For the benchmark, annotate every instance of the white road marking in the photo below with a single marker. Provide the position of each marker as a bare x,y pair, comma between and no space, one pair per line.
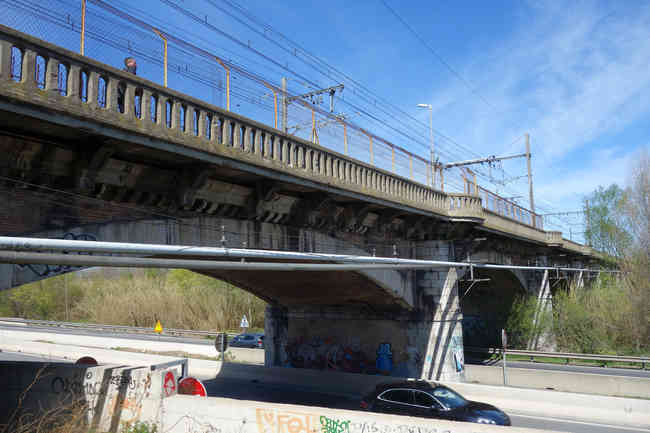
620,427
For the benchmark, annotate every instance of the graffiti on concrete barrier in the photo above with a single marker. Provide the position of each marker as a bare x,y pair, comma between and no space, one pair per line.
374,427
270,421
330,425
79,383
121,393
52,270
275,421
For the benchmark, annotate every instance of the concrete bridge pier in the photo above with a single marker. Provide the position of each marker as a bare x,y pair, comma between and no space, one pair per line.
424,341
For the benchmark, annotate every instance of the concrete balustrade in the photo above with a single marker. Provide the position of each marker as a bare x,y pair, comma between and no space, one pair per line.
92,94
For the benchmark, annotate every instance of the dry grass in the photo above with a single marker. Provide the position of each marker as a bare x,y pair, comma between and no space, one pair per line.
69,417
178,298
134,297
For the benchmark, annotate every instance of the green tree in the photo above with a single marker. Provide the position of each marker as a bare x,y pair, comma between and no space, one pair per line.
607,226
636,261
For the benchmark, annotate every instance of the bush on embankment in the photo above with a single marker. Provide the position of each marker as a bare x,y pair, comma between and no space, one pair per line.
604,317
178,298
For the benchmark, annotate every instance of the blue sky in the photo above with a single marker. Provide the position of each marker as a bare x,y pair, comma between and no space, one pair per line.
573,74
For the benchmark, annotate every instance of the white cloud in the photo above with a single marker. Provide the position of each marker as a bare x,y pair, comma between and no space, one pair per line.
573,75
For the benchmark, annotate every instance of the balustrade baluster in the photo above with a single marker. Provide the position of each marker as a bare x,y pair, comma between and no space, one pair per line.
93,89
5,60
236,136
201,123
29,68
52,75
259,143
226,137
247,138
146,106
267,145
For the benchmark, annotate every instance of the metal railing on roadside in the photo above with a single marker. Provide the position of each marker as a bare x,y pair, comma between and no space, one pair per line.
122,328
604,359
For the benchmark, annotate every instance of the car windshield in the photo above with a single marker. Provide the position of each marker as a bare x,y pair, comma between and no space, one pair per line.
449,398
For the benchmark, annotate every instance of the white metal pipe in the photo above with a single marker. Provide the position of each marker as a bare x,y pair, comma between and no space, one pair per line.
43,244
40,244
17,257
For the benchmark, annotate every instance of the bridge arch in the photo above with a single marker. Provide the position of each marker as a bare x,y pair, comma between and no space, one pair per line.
487,304
381,288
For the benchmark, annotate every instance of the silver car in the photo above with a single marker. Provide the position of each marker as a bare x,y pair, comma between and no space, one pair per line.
248,340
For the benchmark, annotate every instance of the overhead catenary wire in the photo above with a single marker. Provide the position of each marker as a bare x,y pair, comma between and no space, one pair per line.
248,95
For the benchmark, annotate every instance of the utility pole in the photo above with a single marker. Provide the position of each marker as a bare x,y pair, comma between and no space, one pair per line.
433,159
589,231
530,178
285,105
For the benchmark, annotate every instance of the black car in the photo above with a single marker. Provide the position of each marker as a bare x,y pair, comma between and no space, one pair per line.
430,400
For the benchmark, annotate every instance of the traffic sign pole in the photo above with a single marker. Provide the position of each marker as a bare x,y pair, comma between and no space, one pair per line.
223,347
504,343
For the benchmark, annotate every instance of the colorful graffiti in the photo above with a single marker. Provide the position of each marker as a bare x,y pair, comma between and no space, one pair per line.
270,421
384,362
458,351
327,354
330,425
275,421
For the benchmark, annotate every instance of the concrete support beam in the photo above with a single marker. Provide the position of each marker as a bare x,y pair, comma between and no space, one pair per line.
276,329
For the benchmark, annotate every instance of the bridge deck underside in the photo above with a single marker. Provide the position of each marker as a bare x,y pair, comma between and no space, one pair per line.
314,288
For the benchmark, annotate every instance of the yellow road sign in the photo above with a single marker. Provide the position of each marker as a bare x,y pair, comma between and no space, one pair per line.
158,327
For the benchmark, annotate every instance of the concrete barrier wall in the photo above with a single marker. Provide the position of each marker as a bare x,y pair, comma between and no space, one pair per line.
111,395
554,404
621,411
588,383
183,414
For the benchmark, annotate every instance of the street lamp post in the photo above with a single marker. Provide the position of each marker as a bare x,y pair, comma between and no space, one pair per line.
433,161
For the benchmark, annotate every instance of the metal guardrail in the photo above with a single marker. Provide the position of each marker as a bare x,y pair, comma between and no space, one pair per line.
124,328
177,332
563,355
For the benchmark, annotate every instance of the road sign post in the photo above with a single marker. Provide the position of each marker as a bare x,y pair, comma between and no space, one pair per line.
504,344
221,344
244,323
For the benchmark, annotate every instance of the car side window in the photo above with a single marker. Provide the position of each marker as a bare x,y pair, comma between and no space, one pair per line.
424,399
398,396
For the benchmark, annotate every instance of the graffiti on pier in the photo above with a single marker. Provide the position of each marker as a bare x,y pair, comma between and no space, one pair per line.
52,270
355,357
458,351
326,354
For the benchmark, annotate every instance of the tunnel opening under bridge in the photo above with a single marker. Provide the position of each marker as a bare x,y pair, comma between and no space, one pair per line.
487,304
